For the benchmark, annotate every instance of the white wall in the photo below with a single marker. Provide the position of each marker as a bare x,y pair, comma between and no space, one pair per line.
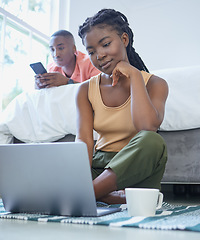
166,31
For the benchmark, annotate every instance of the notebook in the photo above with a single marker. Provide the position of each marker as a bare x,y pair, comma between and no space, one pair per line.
48,178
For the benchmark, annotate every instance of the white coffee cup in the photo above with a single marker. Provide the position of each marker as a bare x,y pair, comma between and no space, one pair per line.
143,201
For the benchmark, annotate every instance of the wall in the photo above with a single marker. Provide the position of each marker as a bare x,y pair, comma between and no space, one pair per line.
166,31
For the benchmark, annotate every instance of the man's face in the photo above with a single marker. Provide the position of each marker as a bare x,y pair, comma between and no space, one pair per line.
62,50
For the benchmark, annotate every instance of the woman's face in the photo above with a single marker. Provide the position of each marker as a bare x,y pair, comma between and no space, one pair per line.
62,50
106,47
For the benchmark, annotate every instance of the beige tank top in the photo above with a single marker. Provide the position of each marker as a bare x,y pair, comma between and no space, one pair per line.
113,124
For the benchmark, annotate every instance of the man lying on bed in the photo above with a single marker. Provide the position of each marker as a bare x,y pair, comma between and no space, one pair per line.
37,116
69,66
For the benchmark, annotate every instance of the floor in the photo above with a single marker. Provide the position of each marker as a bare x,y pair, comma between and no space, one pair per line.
181,198
17,229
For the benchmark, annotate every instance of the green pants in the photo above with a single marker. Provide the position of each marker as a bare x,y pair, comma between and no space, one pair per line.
141,163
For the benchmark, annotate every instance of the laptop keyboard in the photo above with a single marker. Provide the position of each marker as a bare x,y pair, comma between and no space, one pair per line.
101,204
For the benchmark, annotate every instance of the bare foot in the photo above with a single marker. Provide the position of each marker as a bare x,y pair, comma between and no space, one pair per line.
116,197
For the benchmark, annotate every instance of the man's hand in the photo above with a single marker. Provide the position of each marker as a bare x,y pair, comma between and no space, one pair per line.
48,80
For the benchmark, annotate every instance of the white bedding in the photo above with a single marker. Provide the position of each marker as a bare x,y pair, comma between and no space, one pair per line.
183,103
49,114
40,116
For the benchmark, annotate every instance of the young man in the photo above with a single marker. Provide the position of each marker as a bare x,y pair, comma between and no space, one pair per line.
69,66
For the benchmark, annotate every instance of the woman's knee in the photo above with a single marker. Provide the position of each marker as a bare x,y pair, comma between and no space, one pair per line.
150,140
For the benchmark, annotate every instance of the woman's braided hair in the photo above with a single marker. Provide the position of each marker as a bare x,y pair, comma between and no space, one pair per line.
119,22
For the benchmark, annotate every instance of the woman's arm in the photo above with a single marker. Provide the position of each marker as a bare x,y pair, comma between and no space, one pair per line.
147,102
84,119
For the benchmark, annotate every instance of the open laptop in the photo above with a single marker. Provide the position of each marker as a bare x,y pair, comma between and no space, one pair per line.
48,178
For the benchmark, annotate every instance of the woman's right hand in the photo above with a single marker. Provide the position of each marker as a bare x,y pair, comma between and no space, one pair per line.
122,69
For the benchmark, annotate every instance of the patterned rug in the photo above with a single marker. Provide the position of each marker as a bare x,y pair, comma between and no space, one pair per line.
169,217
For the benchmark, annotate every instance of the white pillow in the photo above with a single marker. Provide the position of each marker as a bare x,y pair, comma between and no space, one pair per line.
183,103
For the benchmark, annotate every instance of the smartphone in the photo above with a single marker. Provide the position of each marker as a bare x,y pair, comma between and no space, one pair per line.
38,68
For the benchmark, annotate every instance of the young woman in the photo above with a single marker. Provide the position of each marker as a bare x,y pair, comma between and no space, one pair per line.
125,105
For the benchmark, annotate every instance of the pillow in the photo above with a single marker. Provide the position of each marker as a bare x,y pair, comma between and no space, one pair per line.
183,103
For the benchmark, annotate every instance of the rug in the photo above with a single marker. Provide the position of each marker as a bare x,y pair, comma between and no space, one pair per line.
169,217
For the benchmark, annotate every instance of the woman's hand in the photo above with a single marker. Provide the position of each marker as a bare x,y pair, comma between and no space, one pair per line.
122,69
48,80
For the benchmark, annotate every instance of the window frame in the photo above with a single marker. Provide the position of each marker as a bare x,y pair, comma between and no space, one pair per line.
59,19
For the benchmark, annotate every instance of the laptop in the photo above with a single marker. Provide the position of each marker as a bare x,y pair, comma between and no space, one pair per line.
48,178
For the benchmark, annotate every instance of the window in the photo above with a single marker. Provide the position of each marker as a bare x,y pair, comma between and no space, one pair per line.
25,27
34,12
